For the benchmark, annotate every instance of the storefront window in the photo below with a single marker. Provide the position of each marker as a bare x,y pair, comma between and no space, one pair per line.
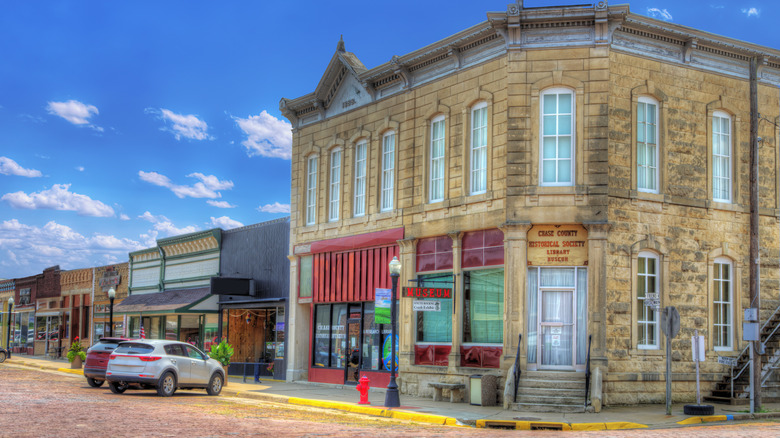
210,332
189,331
435,326
372,340
280,331
322,336
171,328
338,344
305,277
483,306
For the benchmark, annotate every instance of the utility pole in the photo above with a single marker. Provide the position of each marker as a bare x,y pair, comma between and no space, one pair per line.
754,242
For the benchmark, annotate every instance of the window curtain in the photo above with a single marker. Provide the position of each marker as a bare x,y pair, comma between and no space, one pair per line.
486,306
557,307
557,277
533,294
582,315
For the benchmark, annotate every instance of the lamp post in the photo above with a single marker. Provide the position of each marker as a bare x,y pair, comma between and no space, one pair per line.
10,315
111,296
391,395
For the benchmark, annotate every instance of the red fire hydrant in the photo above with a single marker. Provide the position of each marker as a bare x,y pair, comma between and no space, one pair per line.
362,387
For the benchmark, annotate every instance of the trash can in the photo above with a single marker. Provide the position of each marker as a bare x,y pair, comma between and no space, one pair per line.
482,390
475,390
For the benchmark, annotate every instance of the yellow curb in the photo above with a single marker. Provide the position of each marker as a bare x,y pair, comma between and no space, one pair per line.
380,412
707,419
589,426
71,371
525,425
625,425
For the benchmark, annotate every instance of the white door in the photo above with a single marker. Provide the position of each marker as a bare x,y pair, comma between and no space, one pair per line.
556,330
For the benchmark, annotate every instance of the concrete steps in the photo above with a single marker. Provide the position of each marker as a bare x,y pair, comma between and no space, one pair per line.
551,391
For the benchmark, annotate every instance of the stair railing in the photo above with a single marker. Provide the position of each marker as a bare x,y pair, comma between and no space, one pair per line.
744,352
733,378
517,365
587,371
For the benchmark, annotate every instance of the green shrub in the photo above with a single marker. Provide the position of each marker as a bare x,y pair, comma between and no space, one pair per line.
222,352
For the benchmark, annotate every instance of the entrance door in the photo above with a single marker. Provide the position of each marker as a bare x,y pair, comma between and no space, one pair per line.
556,328
353,353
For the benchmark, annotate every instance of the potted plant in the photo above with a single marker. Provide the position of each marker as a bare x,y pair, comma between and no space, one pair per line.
222,353
76,354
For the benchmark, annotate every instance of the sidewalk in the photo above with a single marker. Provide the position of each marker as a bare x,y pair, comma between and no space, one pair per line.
426,410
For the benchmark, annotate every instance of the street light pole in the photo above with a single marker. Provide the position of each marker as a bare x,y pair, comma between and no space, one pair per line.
111,296
391,395
10,315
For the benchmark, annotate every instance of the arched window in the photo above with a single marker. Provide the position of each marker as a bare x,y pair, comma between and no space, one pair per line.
723,308
557,137
360,178
311,190
647,144
721,157
335,185
478,149
648,288
437,160
387,192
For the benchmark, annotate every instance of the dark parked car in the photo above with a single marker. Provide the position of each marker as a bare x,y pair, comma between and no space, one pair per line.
97,360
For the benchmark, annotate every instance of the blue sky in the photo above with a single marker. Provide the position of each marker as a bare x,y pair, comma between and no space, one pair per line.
123,122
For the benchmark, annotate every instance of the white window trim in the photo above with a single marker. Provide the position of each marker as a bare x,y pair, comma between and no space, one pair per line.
651,101
311,190
573,157
360,199
437,161
640,301
387,193
730,157
334,192
473,150
730,304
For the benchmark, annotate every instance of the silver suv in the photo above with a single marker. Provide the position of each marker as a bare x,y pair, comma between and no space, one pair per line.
164,365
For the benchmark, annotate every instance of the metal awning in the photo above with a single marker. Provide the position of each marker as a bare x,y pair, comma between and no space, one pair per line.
169,301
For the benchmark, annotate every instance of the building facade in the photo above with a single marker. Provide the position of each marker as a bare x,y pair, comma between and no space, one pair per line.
253,287
558,175
169,296
107,277
7,290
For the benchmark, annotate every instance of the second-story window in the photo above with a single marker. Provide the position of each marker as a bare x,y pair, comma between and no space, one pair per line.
557,125
721,157
478,153
436,184
647,145
388,171
311,191
335,185
360,179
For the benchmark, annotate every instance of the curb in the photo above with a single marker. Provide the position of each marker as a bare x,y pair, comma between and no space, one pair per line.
547,425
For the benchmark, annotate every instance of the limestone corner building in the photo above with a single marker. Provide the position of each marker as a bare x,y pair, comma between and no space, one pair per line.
553,167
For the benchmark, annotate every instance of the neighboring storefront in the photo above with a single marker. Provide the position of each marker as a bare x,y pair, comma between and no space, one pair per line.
23,315
253,293
169,295
337,294
7,290
107,277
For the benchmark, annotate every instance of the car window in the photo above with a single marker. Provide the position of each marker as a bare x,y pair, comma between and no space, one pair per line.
175,350
193,353
133,348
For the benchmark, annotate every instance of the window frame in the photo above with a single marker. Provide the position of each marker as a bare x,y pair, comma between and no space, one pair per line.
312,167
465,301
558,91
387,172
359,199
334,185
481,149
722,115
439,161
718,302
639,302
640,185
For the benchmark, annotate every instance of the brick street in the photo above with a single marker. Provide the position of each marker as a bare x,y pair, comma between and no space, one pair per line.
40,403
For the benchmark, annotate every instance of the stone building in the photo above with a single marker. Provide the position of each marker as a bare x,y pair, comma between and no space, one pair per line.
557,170
105,278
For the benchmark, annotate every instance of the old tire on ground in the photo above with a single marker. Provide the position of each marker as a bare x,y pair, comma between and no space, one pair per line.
215,384
699,409
117,387
167,385
2,356
95,383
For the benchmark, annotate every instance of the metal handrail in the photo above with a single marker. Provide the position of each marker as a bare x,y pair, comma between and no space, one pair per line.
517,364
587,371
763,344
255,373
733,378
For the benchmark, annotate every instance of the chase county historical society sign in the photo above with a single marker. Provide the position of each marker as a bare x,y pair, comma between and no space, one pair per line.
557,245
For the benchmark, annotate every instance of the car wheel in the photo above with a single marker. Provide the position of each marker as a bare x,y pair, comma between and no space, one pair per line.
95,383
167,385
117,387
215,384
2,356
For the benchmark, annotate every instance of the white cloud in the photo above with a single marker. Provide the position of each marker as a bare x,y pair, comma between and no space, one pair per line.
225,223
27,249
11,167
80,168
75,112
163,224
59,197
124,217
751,12
275,208
220,204
181,125
206,188
662,14
266,136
